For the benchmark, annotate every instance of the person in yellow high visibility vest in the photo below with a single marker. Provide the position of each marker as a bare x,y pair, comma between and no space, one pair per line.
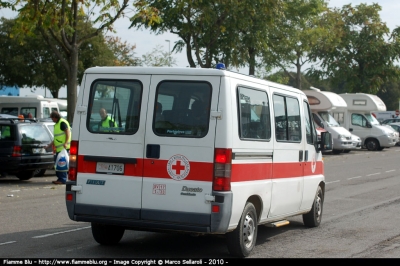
106,122
62,140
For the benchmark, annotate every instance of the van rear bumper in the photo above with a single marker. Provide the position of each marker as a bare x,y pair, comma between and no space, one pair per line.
154,220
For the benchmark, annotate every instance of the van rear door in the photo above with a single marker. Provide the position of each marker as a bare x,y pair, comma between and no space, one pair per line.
110,166
179,149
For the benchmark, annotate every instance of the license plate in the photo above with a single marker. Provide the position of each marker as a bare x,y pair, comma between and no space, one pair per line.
38,150
112,168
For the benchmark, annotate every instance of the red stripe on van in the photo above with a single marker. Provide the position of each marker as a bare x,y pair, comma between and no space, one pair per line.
200,171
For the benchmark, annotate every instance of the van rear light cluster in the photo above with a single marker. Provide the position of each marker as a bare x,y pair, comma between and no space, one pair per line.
222,169
16,151
73,161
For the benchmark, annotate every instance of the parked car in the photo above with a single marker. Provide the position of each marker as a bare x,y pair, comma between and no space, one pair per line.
391,120
49,124
23,145
396,126
357,144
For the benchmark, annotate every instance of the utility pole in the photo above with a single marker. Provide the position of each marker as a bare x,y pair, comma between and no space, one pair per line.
169,52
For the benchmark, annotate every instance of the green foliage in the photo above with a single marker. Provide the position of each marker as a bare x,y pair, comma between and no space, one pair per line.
28,60
294,35
157,58
362,57
58,22
124,53
229,31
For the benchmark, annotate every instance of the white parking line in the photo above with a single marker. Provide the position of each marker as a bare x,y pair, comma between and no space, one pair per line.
6,243
353,177
374,174
332,182
73,230
388,171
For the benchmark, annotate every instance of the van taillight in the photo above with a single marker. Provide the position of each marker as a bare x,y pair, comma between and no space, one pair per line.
73,161
222,169
16,151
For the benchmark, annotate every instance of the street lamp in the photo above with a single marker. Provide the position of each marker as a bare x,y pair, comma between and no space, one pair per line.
169,52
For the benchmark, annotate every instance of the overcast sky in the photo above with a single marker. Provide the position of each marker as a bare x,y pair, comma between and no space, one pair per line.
145,41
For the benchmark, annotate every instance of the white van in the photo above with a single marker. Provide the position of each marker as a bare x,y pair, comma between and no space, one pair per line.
357,118
202,151
28,106
321,104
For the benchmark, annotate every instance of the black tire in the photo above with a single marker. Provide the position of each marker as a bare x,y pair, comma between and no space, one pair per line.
313,218
372,145
25,175
380,148
346,151
107,234
39,172
242,240
336,151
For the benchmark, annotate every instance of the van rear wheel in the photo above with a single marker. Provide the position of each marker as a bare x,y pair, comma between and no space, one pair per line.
107,234
313,218
242,240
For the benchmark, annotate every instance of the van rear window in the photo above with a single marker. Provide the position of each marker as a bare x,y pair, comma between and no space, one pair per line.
114,107
182,109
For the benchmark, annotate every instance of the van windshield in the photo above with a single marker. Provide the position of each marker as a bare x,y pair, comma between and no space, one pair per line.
372,119
329,119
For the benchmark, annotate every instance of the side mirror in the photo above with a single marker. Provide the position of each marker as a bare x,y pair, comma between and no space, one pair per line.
350,129
369,125
325,144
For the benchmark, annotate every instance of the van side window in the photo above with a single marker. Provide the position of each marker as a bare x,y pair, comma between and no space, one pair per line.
10,110
339,117
287,119
28,112
46,112
358,120
254,115
309,126
182,109
114,107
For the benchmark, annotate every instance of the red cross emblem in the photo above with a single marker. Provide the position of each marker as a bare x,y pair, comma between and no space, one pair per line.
178,167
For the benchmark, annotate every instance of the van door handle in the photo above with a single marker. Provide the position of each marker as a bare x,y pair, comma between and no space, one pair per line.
153,151
300,156
306,156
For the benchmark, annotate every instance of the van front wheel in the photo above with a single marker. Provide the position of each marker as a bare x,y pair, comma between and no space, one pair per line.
242,240
107,234
313,218
372,145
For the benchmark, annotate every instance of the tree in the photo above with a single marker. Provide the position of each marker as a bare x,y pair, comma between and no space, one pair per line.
124,53
229,31
364,55
295,33
58,21
28,60
157,58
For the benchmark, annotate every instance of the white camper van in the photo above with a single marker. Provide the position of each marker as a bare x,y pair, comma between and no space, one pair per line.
28,106
358,119
322,103
200,151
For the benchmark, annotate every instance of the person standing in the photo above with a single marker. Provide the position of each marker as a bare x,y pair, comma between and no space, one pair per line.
62,140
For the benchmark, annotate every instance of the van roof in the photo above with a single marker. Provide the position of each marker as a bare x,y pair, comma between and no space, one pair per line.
184,71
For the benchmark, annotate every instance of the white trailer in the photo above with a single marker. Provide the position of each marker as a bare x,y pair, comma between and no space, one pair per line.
28,106
359,120
322,103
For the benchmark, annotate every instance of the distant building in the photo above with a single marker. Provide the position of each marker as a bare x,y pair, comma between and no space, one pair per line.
9,91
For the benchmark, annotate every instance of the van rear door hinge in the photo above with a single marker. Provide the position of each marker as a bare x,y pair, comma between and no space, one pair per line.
81,109
77,189
216,114
209,198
